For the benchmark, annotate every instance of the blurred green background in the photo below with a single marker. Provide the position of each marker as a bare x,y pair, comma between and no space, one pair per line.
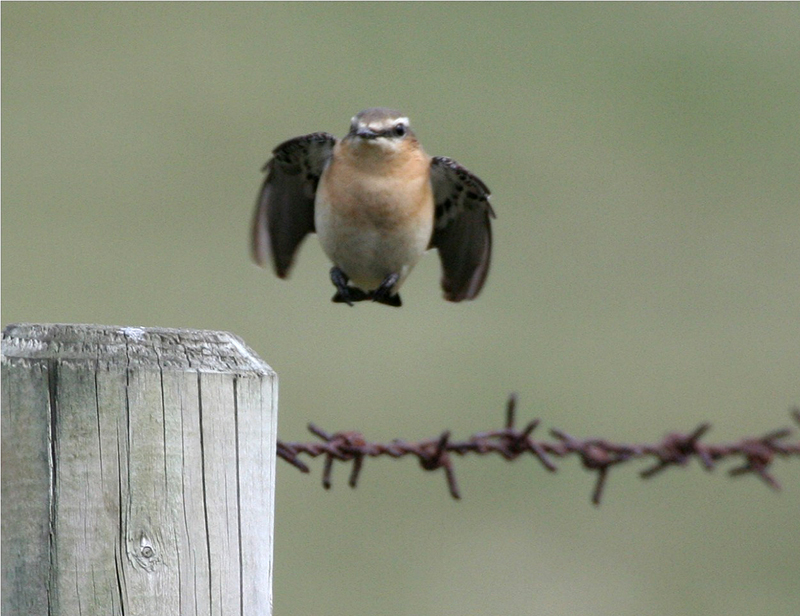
645,168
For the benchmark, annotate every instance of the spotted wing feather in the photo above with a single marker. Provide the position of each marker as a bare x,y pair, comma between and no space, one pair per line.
284,212
462,231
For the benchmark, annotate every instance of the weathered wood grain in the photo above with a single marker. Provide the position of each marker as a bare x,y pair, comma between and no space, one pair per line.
138,472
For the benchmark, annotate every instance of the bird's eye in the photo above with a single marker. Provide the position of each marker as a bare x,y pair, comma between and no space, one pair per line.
400,130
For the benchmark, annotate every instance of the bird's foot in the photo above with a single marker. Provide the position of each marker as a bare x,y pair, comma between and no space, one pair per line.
383,294
345,294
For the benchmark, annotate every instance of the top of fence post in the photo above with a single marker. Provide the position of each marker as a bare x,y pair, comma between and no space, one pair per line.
162,348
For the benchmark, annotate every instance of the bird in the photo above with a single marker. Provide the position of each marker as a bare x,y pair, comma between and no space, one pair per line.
377,203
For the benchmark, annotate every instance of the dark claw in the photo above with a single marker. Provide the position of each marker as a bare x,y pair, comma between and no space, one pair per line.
352,294
344,293
383,294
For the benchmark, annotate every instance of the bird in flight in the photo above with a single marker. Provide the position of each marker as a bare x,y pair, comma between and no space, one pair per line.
377,202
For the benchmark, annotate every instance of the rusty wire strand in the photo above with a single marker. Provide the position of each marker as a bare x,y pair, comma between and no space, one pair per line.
597,455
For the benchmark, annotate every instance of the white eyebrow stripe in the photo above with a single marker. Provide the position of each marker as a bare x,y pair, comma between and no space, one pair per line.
385,123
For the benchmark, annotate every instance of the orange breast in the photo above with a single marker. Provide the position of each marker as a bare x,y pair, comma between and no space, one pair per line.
379,192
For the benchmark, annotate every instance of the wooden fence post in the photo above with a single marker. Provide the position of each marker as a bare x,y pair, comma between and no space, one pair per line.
138,472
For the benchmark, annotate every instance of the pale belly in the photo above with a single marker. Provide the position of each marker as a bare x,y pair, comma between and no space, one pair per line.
382,235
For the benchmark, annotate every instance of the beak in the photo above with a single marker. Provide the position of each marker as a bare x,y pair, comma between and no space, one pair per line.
366,133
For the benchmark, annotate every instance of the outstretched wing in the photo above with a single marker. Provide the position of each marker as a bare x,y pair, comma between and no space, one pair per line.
462,230
285,208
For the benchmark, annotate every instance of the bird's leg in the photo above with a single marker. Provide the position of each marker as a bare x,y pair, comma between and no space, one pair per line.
345,293
383,294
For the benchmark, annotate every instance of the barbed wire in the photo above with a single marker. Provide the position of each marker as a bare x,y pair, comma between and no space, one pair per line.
676,449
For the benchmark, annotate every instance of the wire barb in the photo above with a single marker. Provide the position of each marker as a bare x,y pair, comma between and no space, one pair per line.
596,455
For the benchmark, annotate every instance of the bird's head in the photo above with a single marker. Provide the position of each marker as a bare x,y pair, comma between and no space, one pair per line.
382,128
